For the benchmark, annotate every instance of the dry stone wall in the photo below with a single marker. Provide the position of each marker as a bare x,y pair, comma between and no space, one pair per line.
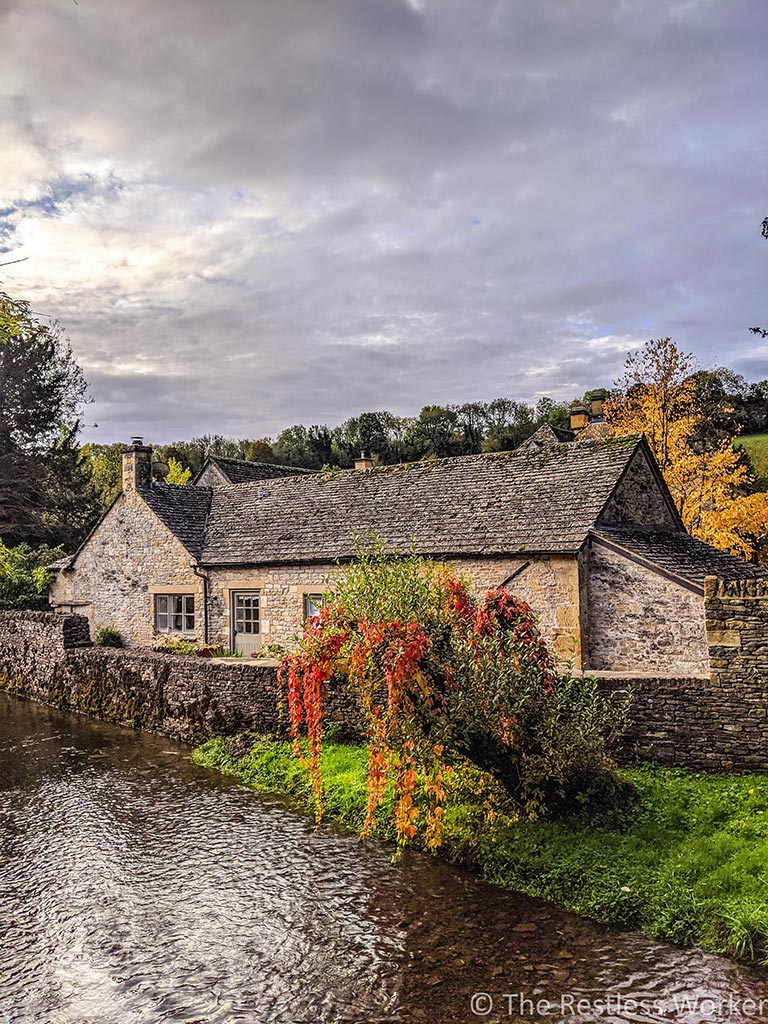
695,722
42,657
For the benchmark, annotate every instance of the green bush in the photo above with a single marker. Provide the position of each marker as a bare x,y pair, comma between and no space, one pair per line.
107,637
24,577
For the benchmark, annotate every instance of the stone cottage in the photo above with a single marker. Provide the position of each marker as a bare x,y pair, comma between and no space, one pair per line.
585,531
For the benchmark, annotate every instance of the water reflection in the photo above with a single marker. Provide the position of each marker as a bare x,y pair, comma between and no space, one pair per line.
137,888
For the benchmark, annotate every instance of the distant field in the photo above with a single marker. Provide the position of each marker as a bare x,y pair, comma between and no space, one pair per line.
756,447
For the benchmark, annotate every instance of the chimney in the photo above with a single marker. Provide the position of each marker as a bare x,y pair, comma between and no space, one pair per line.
579,416
137,466
364,464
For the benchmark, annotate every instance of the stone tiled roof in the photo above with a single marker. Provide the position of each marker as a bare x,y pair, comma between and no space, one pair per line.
504,503
547,435
680,555
238,471
184,510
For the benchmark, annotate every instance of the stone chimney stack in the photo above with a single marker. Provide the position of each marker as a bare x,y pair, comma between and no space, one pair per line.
579,416
137,466
364,464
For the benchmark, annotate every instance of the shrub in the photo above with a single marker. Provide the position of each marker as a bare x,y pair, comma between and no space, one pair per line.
168,644
441,677
271,651
24,578
107,637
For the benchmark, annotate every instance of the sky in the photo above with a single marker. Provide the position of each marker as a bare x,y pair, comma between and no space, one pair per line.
250,213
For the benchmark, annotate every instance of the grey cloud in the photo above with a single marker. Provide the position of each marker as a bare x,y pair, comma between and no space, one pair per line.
295,211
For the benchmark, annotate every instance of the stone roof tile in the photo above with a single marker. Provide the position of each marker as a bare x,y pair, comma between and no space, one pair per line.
239,471
183,509
681,555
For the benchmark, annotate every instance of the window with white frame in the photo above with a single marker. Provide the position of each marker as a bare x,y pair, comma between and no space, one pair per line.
312,604
175,613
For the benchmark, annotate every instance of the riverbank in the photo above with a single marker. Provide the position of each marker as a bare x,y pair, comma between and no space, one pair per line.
687,863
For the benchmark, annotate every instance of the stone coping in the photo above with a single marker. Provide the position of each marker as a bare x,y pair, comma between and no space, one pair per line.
245,662
598,674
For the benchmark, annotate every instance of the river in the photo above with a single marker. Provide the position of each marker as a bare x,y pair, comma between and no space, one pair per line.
136,888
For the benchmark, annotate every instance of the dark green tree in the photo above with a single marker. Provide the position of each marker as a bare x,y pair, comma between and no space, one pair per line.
42,391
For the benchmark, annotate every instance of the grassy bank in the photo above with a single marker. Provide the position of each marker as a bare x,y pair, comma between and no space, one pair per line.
686,863
756,447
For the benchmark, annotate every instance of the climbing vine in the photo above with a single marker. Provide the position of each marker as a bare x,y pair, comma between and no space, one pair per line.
440,677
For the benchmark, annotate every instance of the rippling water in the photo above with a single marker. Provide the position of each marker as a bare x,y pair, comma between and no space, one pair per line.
136,888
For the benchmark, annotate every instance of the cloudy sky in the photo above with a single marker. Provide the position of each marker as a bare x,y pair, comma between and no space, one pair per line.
251,213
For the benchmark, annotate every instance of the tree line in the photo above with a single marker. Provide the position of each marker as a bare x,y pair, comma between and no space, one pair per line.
53,488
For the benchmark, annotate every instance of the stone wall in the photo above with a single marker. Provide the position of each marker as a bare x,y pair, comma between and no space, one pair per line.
638,498
187,698
683,721
640,620
737,631
695,723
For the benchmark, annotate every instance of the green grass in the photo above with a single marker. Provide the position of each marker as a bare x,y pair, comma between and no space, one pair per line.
756,447
687,862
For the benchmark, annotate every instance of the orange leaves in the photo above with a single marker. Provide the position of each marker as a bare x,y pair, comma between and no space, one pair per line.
707,478
423,685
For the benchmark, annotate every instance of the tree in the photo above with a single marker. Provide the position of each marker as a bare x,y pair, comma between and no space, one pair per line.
41,393
434,432
710,483
761,330
24,577
260,450
106,468
178,474
305,447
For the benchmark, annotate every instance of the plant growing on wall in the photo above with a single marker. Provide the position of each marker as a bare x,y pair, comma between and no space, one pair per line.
442,678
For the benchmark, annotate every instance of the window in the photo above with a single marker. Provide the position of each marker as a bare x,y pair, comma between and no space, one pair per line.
175,613
312,604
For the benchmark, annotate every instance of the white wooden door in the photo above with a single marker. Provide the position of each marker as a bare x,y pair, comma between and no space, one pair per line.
246,624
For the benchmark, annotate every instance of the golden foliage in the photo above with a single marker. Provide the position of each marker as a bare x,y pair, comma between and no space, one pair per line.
708,480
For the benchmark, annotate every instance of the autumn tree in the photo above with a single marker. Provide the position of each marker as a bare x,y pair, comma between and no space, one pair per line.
660,396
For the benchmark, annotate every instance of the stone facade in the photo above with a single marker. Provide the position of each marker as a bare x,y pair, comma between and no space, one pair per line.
549,584
129,558
638,499
640,620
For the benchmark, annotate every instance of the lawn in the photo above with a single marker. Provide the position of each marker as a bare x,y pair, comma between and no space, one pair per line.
756,447
685,862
